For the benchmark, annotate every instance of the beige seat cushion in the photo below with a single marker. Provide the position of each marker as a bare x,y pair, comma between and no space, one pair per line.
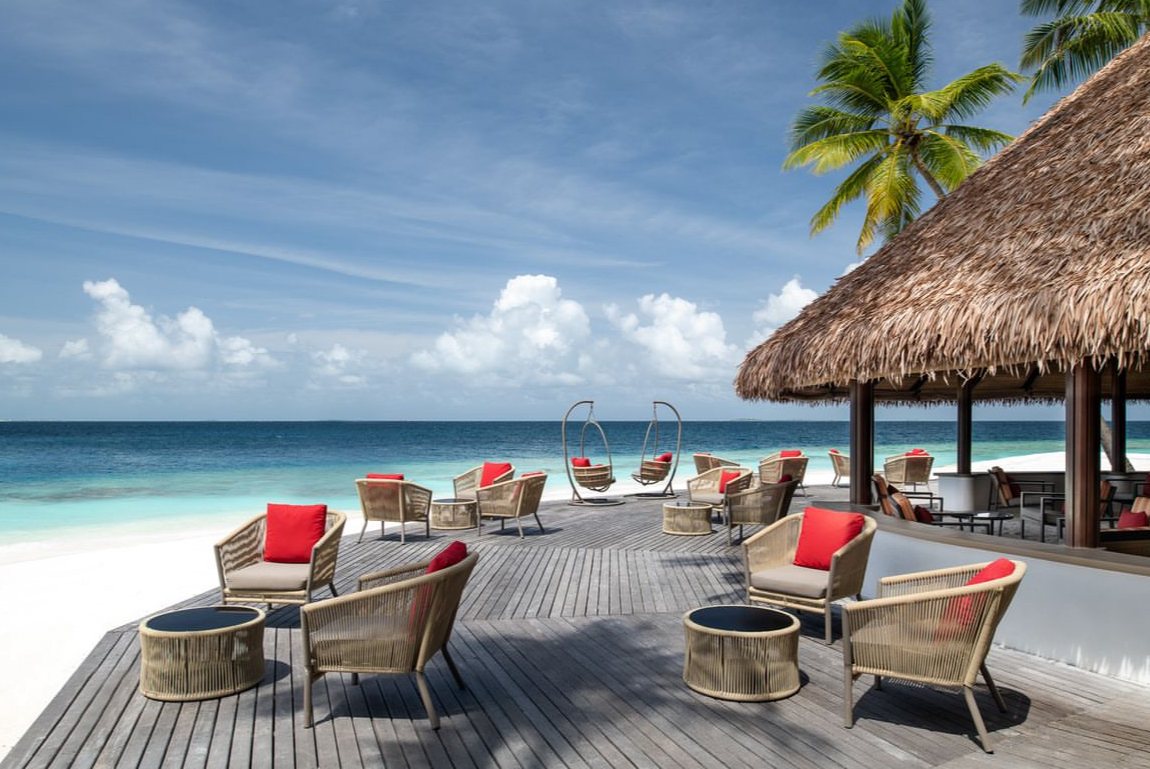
270,576
708,498
792,580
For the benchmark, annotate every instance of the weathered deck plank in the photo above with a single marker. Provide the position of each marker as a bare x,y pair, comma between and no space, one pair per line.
571,645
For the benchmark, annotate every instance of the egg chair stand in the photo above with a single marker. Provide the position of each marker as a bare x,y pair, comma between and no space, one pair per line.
597,478
652,472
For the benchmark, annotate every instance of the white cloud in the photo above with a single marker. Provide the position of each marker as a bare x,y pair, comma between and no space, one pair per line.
15,351
131,339
678,341
779,308
76,349
531,336
338,365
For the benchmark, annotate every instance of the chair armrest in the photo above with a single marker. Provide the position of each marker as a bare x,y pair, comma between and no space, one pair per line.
389,576
466,483
849,562
242,547
325,551
773,546
925,581
705,482
931,498
499,498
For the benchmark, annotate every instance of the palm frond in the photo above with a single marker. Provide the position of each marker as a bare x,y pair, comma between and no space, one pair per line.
971,93
948,159
818,122
1076,47
911,23
984,140
851,189
833,152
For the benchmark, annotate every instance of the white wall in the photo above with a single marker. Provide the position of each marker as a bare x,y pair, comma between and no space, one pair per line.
1091,618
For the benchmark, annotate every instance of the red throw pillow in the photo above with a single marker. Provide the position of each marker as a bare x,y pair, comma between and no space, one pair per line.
915,452
384,477
961,612
1131,520
834,451
922,515
448,556
822,533
790,453
492,470
292,531
725,477
663,457
580,462
784,479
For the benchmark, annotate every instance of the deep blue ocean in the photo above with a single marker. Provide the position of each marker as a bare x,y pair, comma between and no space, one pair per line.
76,476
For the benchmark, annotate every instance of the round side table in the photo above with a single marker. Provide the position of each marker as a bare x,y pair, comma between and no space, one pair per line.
454,514
197,654
686,518
743,653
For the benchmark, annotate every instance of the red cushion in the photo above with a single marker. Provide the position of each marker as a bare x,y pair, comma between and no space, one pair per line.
962,611
292,531
784,479
580,462
725,477
834,451
492,470
1132,520
915,452
790,453
822,533
664,457
384,477
923,515
448,556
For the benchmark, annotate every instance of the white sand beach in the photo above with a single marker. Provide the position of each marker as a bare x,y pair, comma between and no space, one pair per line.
79,588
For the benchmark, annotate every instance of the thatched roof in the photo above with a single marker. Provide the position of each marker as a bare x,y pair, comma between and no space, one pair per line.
1039,259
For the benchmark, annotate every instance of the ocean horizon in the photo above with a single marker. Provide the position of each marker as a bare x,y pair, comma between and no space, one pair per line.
72,478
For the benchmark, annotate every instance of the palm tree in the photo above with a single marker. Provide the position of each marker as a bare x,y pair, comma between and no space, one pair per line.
1084,35
877,112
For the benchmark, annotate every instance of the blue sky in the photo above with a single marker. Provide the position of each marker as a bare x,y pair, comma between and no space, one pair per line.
348,209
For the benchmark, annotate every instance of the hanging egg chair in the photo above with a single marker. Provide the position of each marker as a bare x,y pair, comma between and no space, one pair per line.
582,471
656,467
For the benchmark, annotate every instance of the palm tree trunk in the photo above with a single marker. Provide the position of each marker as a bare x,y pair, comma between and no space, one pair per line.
930,180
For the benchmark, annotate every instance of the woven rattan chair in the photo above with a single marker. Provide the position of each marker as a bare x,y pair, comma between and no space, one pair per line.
758,506
841,463
1050,510
466,483
773,578
512,499
246,577
396,623
930,628
774,467
705,462
704,488
393,501
908,470
882,492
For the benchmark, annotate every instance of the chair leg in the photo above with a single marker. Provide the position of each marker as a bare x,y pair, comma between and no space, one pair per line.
425,695
362,532
848,696
307,719
830,634
977,716
519,525
993,689
331,587
538,522
451,666
402,533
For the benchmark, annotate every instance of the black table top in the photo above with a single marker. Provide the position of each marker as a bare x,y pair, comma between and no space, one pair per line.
202,618
742,619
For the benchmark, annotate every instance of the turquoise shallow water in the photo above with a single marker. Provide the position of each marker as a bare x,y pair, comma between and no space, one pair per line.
69,476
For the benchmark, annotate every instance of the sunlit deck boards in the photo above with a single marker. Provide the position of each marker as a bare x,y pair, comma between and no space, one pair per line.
571,644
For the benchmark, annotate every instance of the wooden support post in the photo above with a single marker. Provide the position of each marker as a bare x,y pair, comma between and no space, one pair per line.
965,424
1083,414
862,441
1117,418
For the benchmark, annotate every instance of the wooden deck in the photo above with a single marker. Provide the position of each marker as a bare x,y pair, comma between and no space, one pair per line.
571,644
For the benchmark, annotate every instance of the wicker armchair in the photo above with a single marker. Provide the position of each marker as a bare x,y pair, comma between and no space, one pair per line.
468,482
842,467
908,470
773,578
704,488
396,623
930,628
882,493
705,462
246,577
396,501
774,467
758,506
514,499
